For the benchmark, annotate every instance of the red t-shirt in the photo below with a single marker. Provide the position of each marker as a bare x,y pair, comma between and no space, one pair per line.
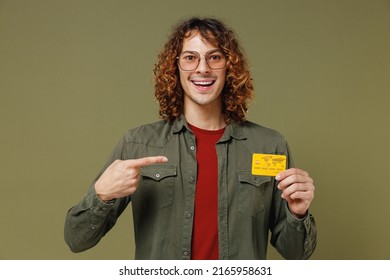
205,230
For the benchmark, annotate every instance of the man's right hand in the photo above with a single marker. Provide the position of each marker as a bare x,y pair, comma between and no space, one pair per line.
121,178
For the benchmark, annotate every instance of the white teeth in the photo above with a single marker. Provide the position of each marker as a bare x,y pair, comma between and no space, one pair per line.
203,83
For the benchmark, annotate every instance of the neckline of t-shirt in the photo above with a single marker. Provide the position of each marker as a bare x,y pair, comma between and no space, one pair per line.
206,131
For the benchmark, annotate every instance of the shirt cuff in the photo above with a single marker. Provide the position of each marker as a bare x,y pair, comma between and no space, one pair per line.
99,207
301,224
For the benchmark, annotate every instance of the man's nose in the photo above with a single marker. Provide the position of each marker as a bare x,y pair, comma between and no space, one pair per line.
203,67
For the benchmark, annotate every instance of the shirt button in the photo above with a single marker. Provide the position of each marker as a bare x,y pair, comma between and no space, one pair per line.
186,253
191,179
192,148
158,175
189,215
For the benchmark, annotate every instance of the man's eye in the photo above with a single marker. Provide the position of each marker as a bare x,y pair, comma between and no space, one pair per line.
190,57
215,57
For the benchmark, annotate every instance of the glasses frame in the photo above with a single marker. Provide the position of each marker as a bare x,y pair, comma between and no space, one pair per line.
202,57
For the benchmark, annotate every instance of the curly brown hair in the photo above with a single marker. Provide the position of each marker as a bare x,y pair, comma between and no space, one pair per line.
238,88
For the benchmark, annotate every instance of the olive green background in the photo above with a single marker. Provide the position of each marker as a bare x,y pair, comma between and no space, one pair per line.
75,75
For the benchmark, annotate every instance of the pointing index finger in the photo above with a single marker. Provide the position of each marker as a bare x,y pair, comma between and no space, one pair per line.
140,162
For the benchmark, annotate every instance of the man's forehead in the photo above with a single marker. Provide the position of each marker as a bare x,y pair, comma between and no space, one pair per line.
207,39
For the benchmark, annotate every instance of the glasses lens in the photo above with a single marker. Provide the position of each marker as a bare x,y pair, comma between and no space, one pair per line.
189,61
216,60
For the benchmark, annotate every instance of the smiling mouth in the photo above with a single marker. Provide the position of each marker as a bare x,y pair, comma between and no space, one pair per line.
203,83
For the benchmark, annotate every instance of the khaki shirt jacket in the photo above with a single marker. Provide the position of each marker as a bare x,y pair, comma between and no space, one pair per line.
249,207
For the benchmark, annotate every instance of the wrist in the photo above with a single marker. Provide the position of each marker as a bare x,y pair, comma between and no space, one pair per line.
298,215
103,197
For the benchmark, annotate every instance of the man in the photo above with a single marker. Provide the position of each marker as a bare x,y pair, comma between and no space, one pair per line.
189,177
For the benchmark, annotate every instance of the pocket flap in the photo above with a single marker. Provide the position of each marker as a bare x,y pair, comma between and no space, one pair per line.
158,172
255,180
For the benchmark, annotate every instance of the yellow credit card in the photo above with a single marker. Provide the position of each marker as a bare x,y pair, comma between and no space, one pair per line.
268,164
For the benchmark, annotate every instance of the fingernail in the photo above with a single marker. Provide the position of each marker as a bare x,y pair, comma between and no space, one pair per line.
277,177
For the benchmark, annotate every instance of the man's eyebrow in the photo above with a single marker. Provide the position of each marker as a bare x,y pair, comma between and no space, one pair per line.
210,51
214,50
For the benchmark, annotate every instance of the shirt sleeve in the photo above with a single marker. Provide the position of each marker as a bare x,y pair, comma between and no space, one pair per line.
89,220
293,238
298,239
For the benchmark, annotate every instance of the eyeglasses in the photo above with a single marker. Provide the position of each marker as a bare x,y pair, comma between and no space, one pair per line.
189,60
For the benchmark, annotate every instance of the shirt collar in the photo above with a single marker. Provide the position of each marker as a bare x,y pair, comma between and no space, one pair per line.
180,124
232,130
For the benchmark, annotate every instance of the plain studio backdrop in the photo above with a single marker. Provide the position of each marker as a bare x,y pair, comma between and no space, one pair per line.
75,75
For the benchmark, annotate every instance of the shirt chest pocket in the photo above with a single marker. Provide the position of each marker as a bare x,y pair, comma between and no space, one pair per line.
156,187
252,192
